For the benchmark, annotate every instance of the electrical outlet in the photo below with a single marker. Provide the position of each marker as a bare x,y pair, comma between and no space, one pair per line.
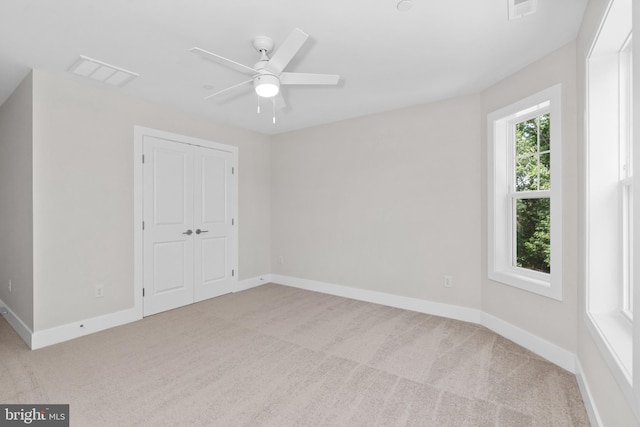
99,291
281,259
10,286
448,282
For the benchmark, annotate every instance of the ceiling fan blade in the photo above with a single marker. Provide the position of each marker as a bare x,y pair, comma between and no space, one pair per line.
308,79
286,51
228,89
223,61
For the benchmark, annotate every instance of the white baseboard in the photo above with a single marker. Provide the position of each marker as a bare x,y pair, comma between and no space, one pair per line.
550,351
17,324
546,349
587,397
407,303
78,329
541,347
245,284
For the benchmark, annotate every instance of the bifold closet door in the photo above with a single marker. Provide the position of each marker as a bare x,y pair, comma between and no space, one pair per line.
168,225
213,222
188,232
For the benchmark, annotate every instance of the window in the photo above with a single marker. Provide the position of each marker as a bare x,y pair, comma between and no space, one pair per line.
530,198
610,192
525,204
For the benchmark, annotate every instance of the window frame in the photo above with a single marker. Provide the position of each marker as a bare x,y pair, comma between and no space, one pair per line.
513,194
612,330
501,223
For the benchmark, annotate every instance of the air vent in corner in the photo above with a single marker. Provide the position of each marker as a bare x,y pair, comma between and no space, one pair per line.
520,8
102,72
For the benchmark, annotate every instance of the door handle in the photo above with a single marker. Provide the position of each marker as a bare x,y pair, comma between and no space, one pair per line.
198,231
188,232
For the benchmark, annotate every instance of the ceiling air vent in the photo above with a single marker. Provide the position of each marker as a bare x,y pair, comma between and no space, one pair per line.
101,71
520,8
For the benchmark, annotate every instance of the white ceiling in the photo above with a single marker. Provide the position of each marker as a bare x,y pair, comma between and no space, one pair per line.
386,59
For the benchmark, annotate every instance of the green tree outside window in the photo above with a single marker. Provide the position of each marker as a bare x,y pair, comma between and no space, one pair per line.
533,173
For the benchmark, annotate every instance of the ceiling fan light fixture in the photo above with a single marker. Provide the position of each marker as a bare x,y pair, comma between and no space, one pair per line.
267,85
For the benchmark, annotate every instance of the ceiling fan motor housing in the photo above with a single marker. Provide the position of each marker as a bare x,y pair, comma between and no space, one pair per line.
266,84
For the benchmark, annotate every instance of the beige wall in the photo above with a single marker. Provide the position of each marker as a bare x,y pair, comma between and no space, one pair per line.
387,202
552,320
611,403
83,195
16,206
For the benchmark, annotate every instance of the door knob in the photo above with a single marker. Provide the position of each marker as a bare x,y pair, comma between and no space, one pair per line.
198,231
188,232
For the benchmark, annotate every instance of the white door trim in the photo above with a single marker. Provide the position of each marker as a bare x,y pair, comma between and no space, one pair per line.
138,200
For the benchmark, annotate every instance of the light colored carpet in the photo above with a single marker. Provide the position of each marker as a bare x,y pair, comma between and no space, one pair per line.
279,356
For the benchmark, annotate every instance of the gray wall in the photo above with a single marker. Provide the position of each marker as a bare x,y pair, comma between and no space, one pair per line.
16,205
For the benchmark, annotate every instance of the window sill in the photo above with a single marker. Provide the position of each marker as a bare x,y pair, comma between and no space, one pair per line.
537,285
613,335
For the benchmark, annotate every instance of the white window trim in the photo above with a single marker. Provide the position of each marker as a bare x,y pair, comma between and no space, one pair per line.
499,206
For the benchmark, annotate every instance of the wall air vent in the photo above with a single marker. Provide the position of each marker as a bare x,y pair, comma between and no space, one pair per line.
520,8
102,72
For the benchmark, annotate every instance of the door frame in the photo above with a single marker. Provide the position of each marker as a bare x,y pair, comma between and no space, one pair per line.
139,132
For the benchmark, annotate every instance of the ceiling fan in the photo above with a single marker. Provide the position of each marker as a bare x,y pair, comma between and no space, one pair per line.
267,75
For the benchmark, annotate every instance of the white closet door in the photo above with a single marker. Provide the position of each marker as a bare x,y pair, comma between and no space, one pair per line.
168,218
190,239
213,222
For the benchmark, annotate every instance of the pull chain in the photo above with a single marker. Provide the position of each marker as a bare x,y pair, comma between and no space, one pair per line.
274,110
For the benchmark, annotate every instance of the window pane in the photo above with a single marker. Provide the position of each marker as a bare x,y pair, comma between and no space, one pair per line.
527,173
545,138
532,154
545,171
533,240
526,137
